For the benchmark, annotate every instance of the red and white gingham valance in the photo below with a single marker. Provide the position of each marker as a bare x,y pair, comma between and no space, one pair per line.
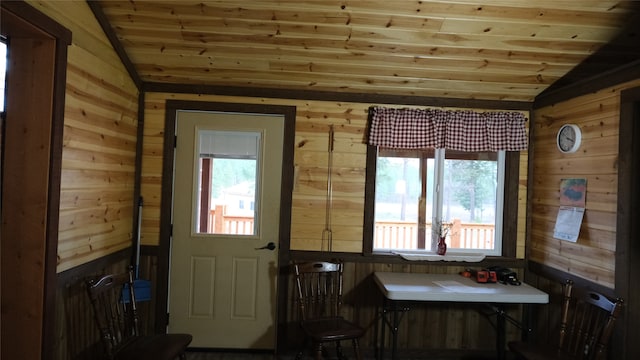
461,130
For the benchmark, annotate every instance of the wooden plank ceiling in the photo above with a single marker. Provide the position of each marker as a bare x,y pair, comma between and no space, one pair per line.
494,50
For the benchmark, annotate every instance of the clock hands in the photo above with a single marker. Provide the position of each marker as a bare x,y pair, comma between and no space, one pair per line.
567,137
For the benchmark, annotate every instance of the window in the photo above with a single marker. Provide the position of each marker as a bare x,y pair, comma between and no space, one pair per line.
228,162
416,189
476,178
419,191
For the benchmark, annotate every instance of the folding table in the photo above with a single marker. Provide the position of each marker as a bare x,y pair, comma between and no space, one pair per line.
399,288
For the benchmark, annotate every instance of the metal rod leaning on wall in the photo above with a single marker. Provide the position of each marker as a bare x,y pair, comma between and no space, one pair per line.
327,233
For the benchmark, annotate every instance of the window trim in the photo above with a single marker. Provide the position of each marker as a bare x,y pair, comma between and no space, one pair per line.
510,205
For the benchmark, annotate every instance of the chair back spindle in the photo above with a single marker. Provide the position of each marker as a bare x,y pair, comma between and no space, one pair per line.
586,325
116,318
319,298
319,289
114,306
588,320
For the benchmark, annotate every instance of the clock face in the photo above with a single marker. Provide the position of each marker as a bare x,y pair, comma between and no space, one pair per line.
569,137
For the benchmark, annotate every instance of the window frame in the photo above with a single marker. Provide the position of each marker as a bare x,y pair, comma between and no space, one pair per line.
509,225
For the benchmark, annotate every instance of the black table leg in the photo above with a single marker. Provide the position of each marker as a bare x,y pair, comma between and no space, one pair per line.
500,333
382,330
390,316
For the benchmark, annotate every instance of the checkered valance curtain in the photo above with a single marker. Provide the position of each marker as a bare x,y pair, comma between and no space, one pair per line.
461,130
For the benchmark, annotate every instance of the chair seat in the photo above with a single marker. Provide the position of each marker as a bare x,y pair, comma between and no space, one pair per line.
331,329
536,352
154,347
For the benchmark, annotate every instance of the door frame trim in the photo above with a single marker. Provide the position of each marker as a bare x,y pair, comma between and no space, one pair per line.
628,229
30,23
171,109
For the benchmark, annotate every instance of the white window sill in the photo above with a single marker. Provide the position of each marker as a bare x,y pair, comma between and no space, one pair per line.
431,256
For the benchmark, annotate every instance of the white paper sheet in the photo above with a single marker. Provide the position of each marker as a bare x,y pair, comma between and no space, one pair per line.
568,223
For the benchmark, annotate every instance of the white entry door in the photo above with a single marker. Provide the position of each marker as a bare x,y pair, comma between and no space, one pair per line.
226,207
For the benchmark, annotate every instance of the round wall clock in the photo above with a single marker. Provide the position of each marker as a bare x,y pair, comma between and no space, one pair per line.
569,138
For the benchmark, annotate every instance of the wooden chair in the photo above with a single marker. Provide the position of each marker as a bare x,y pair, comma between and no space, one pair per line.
319,297
586,324
114,306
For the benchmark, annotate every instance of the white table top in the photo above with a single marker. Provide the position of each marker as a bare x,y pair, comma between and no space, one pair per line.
455,288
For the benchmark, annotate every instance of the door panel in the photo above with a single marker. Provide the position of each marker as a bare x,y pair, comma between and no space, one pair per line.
222,286
202,286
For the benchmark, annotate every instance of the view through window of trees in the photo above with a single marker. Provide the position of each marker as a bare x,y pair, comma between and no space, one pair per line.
228,168
417,190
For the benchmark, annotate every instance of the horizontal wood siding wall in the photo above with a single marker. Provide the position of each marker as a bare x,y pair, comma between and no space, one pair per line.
598,115
98,159
313,119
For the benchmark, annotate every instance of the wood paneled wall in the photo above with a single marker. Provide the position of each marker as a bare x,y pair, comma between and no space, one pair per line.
313,119
98,159
592,257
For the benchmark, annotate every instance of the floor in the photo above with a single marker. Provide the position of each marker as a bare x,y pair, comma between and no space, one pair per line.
220,355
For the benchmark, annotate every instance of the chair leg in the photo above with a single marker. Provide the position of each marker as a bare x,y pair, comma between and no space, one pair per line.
339,353
356,349
318,351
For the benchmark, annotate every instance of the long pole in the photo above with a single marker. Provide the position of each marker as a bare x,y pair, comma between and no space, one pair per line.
327,234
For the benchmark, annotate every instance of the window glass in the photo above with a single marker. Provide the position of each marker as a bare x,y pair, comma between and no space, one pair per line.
228,166
416,191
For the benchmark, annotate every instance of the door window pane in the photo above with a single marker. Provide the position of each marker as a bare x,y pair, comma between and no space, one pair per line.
228,169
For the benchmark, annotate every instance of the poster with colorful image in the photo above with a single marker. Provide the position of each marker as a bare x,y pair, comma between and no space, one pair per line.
572,192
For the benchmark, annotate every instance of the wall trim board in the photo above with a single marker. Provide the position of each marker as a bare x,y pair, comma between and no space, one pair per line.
369,193
38,19
627,227
149,250
81,272
560,277
295,94
380,258
600,81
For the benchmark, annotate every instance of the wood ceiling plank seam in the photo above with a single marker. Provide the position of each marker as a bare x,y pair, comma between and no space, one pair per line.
527,30
442,53
417,86
461,65
383,7
479,44
469,66
367,78
557,12
472,29
392,34
398,90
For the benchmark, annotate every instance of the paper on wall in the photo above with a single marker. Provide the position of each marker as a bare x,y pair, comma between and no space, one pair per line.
568,223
